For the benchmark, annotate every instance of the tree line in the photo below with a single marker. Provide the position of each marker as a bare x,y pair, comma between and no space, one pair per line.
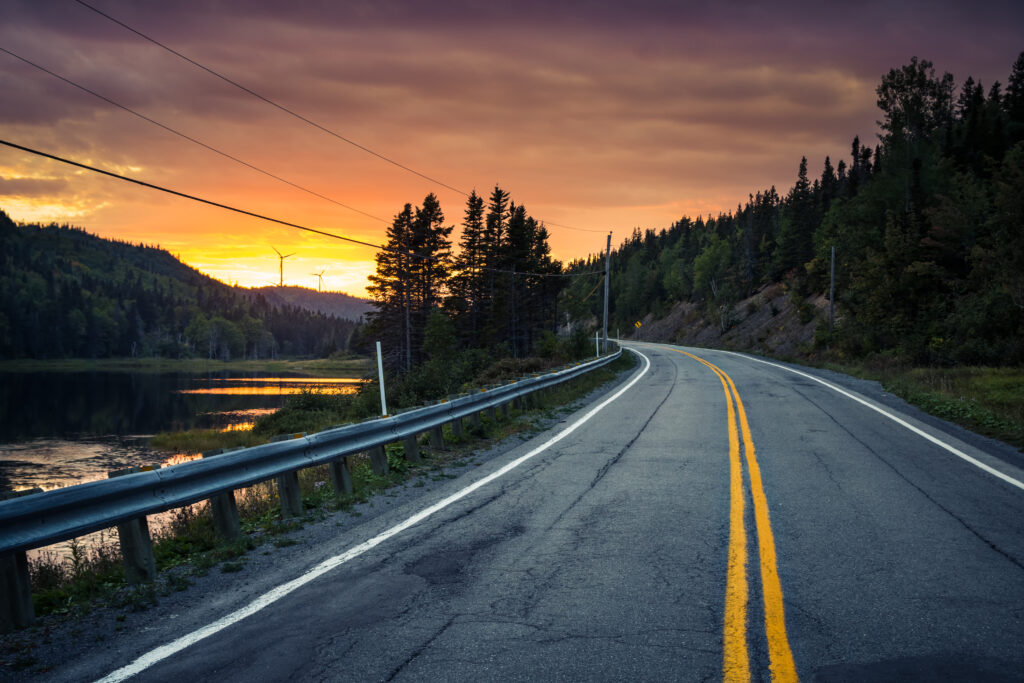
66,293
497,294
928,227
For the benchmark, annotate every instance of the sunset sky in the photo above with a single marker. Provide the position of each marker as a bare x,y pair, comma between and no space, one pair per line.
603,116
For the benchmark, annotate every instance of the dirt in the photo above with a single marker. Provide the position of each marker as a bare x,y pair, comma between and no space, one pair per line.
767,322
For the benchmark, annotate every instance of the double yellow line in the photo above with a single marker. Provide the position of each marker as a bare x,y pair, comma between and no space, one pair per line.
736,658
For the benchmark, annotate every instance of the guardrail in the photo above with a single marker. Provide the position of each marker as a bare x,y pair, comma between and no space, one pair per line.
40,519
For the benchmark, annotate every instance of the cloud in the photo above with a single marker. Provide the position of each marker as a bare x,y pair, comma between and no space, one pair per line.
30,187
595,114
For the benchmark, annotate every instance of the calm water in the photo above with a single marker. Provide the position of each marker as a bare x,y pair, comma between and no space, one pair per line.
66,428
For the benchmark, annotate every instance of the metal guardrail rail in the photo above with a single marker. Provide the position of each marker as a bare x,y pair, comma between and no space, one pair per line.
49,517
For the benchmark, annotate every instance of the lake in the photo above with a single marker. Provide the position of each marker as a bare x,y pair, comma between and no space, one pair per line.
64,428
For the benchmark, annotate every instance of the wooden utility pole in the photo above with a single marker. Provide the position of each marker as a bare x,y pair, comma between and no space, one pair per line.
832,293
607,276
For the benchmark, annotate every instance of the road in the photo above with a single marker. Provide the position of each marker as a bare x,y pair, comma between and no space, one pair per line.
720,518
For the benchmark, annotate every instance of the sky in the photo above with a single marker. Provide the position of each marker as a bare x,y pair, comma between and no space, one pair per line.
597,116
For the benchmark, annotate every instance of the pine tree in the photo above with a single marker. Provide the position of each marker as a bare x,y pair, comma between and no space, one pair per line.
468,285
799,220
495,237
390,291
430,269
1013,102
829,184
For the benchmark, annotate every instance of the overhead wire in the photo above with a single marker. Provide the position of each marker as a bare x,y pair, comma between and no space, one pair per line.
190,138
295,114
269,101
253,214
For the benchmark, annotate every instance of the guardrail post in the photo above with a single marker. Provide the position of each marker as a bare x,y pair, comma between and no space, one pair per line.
457,428
437,438
136,544
492,413
506,410
225,510
341,477
16,610
411,447
289,494
475,420
379,461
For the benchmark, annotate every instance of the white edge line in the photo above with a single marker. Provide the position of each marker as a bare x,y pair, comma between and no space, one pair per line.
920,432
163,652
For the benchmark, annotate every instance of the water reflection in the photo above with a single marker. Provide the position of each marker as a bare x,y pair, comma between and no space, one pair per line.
67,428
54,463
273,386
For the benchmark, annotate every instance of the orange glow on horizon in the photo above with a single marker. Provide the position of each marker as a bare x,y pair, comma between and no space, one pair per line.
608,120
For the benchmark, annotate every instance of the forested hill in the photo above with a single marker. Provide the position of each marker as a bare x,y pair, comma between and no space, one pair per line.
928,228
67,293
329,303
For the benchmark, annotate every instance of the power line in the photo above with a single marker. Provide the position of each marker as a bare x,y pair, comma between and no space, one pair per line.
269,101
189,138
210,202
194,197
295,114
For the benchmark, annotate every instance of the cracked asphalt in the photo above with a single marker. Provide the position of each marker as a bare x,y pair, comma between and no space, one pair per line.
604,557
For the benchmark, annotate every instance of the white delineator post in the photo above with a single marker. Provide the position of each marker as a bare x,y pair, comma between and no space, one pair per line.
380,374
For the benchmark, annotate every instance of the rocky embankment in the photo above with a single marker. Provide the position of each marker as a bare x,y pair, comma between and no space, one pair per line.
768,322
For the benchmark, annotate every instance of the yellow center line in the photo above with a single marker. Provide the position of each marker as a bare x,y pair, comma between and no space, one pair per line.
736,666
783,668
736,660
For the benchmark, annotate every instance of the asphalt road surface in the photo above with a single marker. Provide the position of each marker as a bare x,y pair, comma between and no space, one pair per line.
718,518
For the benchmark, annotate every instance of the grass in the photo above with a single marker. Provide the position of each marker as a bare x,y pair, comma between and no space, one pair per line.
188,545
988,401
203,440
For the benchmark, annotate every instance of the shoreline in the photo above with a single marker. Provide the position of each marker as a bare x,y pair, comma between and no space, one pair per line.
315,366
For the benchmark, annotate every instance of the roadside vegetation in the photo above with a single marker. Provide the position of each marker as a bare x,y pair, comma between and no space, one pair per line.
187,546
445,373
986,400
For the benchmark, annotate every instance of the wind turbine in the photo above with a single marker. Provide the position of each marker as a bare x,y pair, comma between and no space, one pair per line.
282,257
320,276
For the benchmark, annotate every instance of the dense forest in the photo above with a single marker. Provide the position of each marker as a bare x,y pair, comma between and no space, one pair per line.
928,227
498,293
66,293
338,304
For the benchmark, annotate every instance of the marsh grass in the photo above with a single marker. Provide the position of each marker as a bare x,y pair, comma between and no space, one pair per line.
202,440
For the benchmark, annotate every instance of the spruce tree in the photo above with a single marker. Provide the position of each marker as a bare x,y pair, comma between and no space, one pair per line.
468,285
390,290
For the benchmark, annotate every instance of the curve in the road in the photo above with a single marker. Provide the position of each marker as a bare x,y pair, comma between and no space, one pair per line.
161,653
903,423
736,665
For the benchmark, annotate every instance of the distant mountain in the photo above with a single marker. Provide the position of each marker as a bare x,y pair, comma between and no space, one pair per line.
329,303
67,293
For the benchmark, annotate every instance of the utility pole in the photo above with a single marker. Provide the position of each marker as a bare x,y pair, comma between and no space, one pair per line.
607,276
832,293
